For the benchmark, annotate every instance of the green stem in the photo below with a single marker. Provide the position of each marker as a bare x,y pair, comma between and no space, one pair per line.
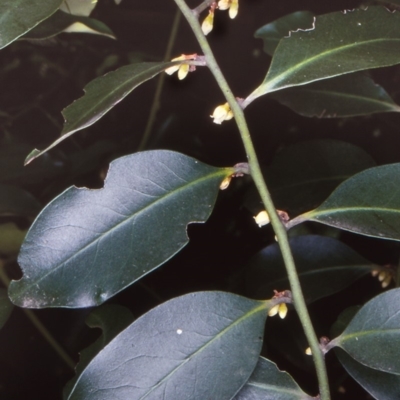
280,230
160,84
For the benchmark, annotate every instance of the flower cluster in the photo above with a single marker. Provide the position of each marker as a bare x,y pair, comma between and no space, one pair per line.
231,5
384,276
280,309
183,69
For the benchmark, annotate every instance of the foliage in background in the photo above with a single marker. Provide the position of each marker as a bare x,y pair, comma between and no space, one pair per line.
88,245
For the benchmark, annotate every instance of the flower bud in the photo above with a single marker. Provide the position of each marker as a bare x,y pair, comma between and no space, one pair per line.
283,310
273,311
208,23
222,113
262,218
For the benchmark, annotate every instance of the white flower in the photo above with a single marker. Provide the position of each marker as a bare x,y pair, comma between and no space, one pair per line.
222,113
262,218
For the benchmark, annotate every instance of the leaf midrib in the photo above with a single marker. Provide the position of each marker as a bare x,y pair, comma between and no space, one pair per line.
272,84
262,306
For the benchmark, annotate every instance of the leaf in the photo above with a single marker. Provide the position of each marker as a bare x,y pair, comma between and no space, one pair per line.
380,385
19,16
273,32
368,203
101,95
269,383
343,96
325,266
303,175
372,337
5,307
111,319
357,40
88,245
78,7
15,201
63,22
198,346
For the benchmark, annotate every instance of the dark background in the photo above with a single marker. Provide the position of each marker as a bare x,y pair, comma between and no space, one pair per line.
39,79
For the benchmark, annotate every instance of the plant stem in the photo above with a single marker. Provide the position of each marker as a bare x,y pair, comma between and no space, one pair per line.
255,170
160,84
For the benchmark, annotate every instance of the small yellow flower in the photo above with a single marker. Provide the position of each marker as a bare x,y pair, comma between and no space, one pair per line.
183,69
280,309
262,218
225,183
273,311
283,310
208,23
308,351
232,5
222,113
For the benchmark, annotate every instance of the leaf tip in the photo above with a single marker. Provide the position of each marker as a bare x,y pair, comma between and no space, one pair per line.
31,156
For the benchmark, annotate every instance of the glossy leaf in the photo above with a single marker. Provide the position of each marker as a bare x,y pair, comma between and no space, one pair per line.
198,346
303,175
343,96
325,266
269,383
101,95
63,22
372,337
111,319
20,16
5,307
78,7
368,203
87,245
358,40
15,201
273,32
380,385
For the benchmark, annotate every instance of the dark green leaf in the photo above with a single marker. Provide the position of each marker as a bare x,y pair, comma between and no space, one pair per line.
101,95
87,245
325,266
273,32
61,22
5,307
303,175
380,385
18,202
19,16
269,383
199,346
339,44
343,96
368,203
111,319
372,337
